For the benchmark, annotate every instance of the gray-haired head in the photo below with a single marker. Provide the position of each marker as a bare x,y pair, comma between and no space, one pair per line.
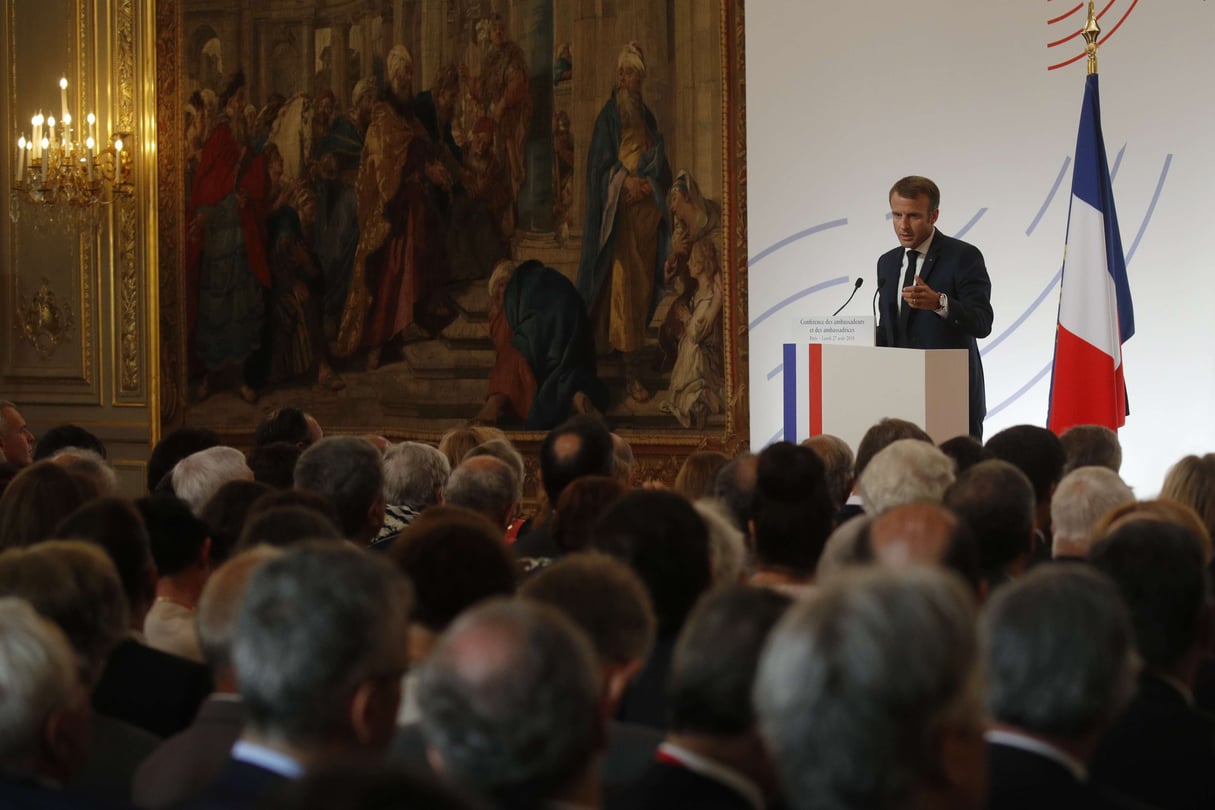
90,463
485,485
1091,446
199,476
414,475
1060,652
509,701
38,680
905,471
503,450
1082,498
863,682
349,472
316,626
219,607
727,545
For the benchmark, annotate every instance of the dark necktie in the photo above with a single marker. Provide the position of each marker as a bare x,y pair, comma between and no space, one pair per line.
909,276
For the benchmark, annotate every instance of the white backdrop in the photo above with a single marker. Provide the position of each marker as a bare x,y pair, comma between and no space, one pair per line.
845,97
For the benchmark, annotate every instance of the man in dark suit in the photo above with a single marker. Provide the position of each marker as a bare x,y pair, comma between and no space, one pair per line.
934,290
713,757
1042,635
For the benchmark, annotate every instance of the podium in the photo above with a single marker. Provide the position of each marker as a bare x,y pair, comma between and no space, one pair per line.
844,390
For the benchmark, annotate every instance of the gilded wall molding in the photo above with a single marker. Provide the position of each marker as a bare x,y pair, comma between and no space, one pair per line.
169,214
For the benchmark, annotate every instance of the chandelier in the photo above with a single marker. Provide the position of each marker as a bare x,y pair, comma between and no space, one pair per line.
61,167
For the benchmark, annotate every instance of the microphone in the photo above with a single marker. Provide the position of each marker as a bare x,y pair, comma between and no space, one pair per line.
859,281
881,282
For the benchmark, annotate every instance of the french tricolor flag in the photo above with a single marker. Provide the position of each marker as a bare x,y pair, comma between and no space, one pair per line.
803,391
1095,314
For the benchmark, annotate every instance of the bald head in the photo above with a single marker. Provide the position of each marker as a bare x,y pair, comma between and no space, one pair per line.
924,533
485,485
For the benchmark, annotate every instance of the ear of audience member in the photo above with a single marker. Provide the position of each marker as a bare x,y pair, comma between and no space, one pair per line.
485,485
793,515
226,513
735,487
712,716
905,471
286,526
290,425
1039,454
1090,446
75,585
177,445
364,786
44,717
274,464
323,682
184,765
349,472
581,505
1083,497
966,451
923,534
35,502
181,549
698,474
511,706
1061,666
1166,509
1191,481
869,694
64,436
883,434
197,477
727,545
1160,751
579,446
996,501
837,458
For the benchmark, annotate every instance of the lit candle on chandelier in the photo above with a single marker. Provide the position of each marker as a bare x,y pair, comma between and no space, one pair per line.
46,158
67,120
21,159
92,119
37,140
63,99
88,158
117,161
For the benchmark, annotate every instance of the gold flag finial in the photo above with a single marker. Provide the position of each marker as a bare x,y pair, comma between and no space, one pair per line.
1091,31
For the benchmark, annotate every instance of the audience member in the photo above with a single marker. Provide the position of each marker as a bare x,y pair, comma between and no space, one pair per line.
869,694
735,487
1165,509
845,547
286,526
660,536
996,501
966,451
35,501
837,458
923,534
62,437
511,706
713,755
1161,751
1039,454
485,485
1083,497
623,463
290,425
904,471
274,464
184,765
414,477
1191,481
1059,651
348,471
197,477
181,443
579,508
91,469
727,545
319,685
793,516
16,440
503,450
455,443
181,549
882,435
1090,446
698,474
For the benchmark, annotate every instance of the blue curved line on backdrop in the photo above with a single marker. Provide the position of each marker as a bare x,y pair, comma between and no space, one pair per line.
1168,160
1117,163
978,215
1022,391
797,296
1050,195
788,240
775,371
776,437
1037,302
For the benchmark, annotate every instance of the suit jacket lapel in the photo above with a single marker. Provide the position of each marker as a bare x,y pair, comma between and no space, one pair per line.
930,261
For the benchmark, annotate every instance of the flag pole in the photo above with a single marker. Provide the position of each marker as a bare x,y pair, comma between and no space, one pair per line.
1091,31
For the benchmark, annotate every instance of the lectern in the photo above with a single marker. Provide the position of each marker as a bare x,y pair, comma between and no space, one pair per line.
844,390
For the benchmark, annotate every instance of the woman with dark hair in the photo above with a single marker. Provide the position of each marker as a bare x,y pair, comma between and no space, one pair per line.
35,501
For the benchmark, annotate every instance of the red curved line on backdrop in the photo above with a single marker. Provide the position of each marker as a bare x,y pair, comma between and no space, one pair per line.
1080,31
1100,41
1065,16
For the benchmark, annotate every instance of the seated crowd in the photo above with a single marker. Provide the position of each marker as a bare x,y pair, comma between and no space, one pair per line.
344,622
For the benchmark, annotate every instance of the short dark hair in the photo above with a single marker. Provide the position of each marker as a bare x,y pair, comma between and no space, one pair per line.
284,526
884,433
662,538
1159,570
794,513
62,436
287,424
176,536
593,454
115,525
294,497
580,505
1091,446
274,463
225,514
735,487
966,451
996,500
715,659
35,501
1035,451
913,186
349,471
455,560
185,441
